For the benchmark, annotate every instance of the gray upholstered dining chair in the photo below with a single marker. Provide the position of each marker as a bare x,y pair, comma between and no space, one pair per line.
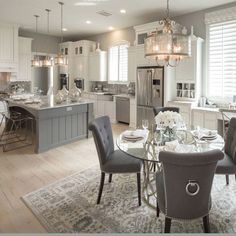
227,166
112,161
184,185
156,110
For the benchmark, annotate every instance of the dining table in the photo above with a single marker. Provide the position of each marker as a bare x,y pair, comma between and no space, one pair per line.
152,142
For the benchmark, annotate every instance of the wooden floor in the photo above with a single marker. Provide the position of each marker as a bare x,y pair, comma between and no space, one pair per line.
22,171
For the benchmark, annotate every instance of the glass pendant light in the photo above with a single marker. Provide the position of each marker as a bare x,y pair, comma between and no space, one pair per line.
36,61
167,47
60,59
48,61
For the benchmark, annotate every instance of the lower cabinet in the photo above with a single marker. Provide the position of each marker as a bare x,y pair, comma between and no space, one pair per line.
133,110
184,110
205,119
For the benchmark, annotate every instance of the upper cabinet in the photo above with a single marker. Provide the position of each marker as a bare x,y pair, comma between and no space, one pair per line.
83,47
97,66
24,63
189,73
8,47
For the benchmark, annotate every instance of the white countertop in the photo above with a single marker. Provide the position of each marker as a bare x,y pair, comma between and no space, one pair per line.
213,109
48,103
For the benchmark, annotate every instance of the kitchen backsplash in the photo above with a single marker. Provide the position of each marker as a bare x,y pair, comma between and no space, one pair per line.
112,88
26,85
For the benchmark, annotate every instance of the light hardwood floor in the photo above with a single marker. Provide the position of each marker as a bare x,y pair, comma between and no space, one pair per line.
22,171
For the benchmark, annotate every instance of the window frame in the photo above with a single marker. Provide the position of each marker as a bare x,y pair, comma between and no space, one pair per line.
226,99
118,43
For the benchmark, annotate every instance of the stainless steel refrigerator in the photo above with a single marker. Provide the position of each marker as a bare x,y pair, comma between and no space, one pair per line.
150,92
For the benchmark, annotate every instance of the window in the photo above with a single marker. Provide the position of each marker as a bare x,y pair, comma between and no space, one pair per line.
118,63
222,59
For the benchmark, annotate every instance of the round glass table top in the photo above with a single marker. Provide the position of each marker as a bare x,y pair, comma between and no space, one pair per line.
151,144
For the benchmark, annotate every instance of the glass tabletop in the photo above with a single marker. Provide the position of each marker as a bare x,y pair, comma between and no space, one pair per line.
152,143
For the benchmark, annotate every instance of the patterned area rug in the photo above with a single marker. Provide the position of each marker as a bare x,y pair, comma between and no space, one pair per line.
69,206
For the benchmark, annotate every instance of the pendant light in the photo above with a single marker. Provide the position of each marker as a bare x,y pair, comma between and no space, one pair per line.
61,60
36,61
168,47
48,61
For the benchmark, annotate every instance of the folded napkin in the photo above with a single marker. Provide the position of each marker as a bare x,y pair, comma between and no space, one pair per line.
138,133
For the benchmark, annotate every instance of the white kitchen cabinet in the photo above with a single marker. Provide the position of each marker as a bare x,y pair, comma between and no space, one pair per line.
24,62
110,110
205,118
8,47
184,110
133,112
97,66
83,47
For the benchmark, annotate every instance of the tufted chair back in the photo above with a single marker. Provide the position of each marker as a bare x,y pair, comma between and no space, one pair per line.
103,138
156,110
230,140
187,182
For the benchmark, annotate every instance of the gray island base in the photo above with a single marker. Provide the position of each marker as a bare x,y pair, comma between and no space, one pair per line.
55,124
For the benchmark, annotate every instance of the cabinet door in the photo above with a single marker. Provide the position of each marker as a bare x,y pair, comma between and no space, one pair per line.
197,119
6,44
109,110
100,108
211,120
24,68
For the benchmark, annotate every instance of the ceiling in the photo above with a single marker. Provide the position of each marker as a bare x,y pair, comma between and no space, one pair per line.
75,17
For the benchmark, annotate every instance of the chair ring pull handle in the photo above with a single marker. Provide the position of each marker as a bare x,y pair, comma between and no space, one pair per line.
192,184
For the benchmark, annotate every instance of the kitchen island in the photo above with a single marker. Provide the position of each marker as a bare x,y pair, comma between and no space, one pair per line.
56,124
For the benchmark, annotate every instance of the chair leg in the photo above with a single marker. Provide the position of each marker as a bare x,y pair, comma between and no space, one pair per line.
101,187
110,178
227,179
167,224
139,188
206,224
157,210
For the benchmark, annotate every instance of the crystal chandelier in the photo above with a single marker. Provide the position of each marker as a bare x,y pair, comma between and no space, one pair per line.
167,47
36,62
60,59
48,61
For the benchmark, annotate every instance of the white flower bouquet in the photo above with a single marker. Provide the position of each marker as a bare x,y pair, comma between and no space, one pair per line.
168,119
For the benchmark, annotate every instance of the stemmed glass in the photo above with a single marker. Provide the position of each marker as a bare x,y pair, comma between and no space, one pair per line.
145,124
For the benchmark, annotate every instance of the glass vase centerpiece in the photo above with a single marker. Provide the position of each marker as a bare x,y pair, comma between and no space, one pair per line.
74,94
168,123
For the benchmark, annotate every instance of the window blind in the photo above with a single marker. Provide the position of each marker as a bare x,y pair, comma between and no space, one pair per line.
118,63
222,59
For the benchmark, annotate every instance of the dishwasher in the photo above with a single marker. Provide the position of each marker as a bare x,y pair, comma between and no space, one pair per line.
123,109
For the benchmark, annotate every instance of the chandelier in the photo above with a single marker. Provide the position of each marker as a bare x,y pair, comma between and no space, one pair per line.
60,59
36,62
167,47
48,61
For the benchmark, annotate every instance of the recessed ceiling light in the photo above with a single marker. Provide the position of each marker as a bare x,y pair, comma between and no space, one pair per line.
64,29
85,4
111,28
88,22
123,11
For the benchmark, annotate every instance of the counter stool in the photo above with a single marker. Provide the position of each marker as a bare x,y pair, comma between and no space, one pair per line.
16,130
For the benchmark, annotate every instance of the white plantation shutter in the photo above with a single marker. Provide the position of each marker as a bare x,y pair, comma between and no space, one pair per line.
222,59
118,63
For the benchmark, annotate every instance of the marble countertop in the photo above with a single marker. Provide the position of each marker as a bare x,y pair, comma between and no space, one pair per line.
48,103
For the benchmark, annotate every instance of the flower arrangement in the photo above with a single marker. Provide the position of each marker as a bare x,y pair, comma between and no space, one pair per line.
168,119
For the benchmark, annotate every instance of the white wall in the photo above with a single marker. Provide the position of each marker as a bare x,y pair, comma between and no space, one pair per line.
43,43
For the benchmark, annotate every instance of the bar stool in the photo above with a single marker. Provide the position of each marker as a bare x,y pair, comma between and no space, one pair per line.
17,131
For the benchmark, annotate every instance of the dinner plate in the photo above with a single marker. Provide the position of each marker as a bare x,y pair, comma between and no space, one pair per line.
132,138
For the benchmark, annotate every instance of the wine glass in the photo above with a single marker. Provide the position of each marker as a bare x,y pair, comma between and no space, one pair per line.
145,124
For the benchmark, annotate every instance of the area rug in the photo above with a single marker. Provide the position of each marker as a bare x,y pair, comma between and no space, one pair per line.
69,206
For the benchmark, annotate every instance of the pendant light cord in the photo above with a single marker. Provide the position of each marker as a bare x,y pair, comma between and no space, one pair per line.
36,30
168,9
61,3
